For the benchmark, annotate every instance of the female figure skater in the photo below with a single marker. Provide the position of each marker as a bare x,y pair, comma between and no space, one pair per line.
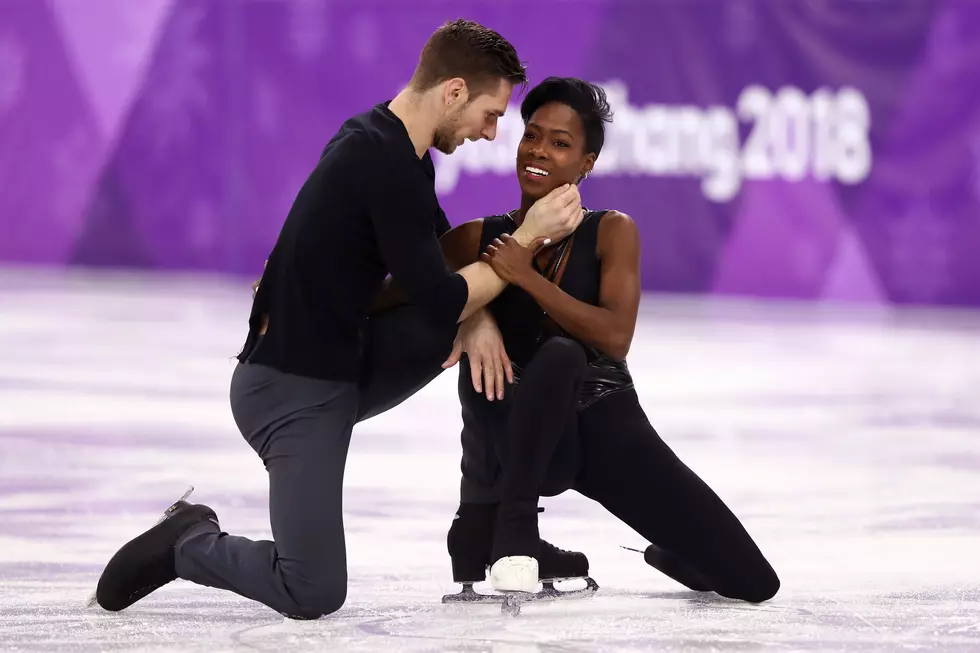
573,419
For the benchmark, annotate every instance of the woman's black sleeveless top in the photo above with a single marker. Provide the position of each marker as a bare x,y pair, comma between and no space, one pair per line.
524,324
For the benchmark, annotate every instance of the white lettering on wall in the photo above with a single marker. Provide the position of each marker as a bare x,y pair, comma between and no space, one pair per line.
791,136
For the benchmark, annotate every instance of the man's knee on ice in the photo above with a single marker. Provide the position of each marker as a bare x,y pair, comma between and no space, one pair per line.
319,598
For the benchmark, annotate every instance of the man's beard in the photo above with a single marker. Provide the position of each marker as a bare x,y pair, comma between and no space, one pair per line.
445,138
444,141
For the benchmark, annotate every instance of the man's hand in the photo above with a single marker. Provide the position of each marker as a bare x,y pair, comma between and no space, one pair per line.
554,216
490,367
255,286
510,260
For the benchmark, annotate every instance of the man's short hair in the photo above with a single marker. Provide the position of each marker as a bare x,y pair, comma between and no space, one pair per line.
468,50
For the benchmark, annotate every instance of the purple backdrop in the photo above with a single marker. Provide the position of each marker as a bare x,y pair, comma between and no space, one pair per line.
821,149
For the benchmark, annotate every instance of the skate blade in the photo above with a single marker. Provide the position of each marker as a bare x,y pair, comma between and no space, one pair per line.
510,602
92,599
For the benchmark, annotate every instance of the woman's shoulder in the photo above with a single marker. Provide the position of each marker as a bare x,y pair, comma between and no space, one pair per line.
615,229
611,219
608,215
606,220
497,224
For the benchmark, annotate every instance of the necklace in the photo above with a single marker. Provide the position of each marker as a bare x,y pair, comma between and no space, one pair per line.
551,268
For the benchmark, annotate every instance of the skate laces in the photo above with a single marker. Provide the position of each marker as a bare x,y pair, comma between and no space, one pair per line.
551,548
554,550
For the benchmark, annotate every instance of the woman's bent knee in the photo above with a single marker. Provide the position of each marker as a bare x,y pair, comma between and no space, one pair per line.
763,589
756,589
561,352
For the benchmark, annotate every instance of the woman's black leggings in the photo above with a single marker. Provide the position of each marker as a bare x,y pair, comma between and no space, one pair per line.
541,414
622,463
633,474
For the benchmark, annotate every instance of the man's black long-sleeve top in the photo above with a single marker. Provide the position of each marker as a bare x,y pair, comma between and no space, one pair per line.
368,209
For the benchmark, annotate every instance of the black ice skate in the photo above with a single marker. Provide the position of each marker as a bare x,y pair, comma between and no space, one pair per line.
470,544
146,563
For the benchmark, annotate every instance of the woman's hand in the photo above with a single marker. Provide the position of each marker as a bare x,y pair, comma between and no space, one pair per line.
512,262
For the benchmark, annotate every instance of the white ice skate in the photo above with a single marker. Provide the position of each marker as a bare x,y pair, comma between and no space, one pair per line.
515,580
514,574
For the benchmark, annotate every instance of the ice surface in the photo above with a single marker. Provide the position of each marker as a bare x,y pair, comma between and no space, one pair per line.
847,442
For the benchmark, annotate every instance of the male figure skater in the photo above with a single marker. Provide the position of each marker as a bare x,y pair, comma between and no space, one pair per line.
368,208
